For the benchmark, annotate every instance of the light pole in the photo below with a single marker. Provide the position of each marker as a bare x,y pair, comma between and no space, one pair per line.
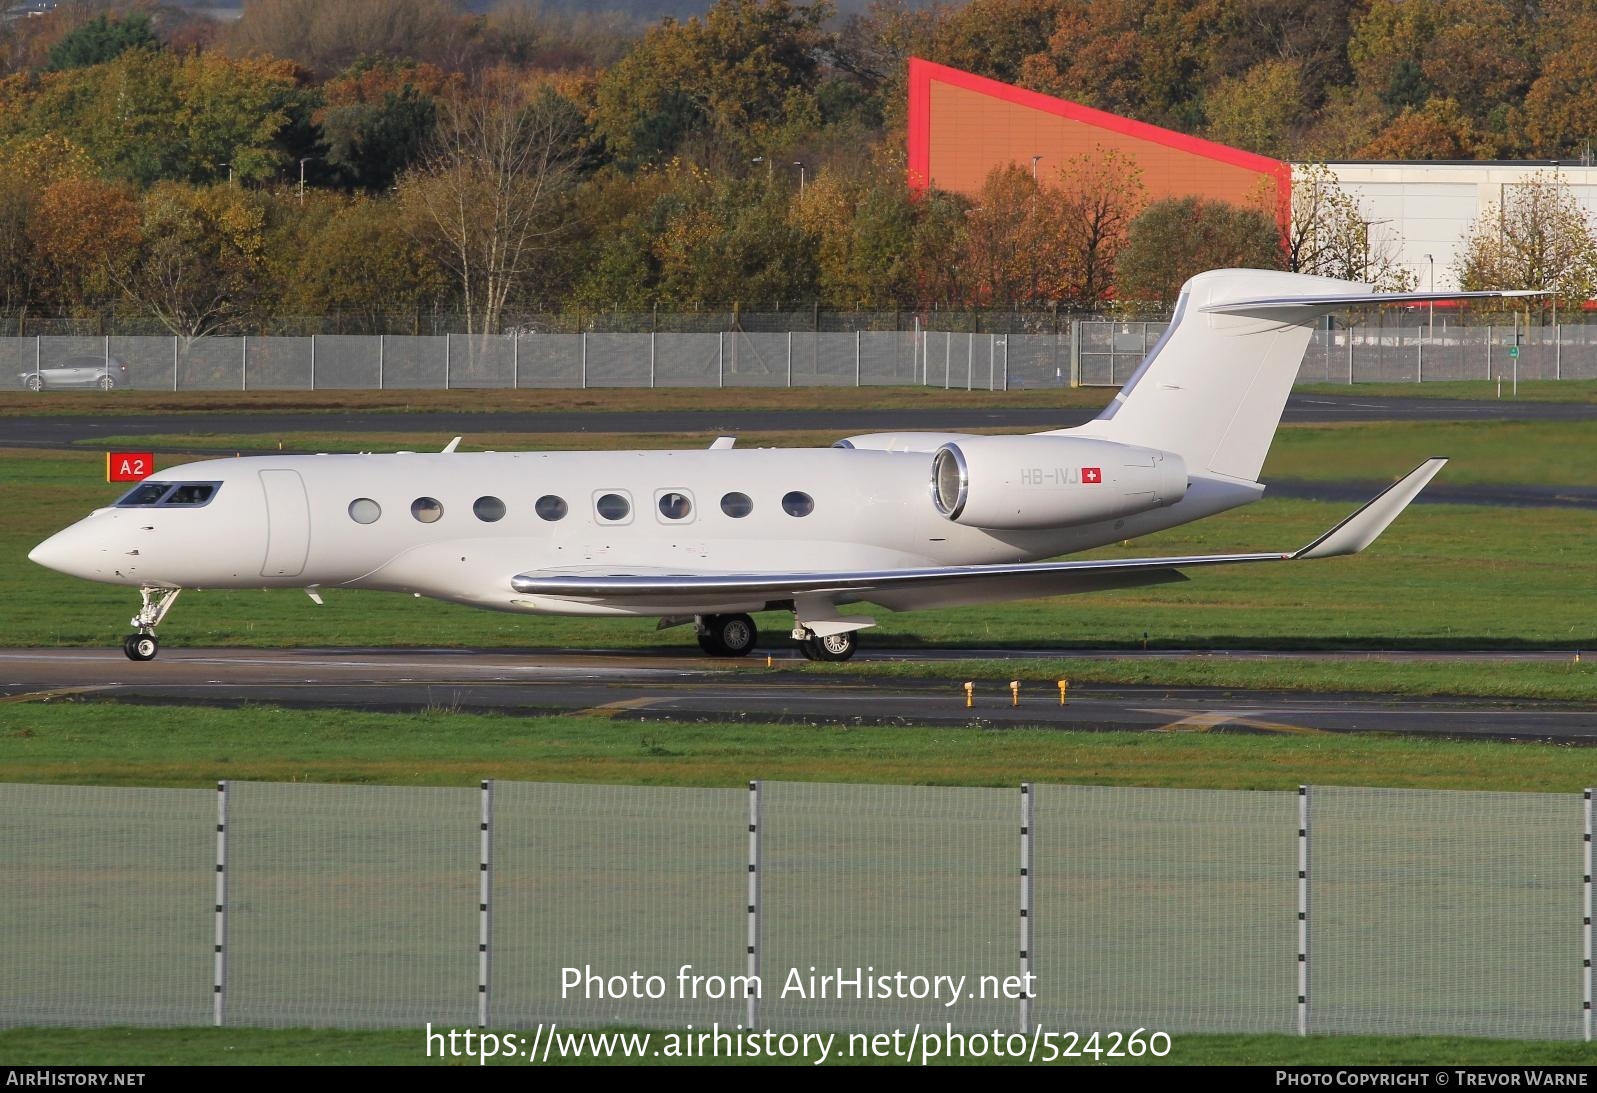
1034,160
229,167
799,163
302,163
765,160
1431,305
1368,224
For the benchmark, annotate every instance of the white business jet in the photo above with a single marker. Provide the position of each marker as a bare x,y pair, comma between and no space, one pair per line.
903,520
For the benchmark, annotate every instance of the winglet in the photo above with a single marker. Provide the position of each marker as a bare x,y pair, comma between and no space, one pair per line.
1365,526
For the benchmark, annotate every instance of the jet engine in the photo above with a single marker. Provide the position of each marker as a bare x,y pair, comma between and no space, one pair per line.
1027,482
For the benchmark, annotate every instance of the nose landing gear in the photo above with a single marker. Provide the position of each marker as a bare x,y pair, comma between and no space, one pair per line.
156,602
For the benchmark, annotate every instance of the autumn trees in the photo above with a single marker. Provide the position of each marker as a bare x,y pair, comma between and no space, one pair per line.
1538,237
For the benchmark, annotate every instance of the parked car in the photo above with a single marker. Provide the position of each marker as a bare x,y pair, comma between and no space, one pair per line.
106,373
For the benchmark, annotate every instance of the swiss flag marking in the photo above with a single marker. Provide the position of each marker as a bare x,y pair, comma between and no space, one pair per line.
1091,476
129,466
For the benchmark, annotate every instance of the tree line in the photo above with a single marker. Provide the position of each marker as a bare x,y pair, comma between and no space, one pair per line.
383,158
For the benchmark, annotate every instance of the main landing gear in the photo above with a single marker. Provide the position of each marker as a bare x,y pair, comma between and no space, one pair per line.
727,635
143,644
832,647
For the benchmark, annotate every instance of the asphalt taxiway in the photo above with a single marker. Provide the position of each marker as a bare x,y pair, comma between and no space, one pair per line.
669,687
73,430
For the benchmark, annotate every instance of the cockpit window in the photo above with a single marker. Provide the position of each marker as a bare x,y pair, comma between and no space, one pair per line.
145,493
189,494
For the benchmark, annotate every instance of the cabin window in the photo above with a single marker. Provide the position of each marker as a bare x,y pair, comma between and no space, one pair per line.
737,505
798,503
363,510
488,509
427,509
675,505
550,507
613,507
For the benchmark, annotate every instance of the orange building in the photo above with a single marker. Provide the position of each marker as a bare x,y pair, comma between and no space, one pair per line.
962,125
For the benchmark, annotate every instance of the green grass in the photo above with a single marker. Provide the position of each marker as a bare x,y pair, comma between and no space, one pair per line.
1481,452
129,1047
1564,681
108,743
1529,390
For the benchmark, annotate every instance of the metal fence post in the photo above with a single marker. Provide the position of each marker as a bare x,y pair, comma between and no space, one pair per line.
752,996
970,360
174,362
1025,908
1075,353
1303,910
484,894
515,359
448,355
1419,350
720,359
313,362
948,354
992,362
790,358
219,964
1350,331
856,358
1586,927
382,345
652,336
244,364
1006,360
582,353
1488,351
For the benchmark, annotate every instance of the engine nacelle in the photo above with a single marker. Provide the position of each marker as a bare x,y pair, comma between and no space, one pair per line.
1025,482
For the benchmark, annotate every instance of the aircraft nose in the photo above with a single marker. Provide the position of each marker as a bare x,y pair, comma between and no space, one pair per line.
66,552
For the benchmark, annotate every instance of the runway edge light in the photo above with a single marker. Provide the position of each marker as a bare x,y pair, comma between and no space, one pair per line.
129,466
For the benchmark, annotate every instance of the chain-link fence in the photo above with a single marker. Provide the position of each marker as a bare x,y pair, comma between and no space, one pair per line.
799,906
1088,353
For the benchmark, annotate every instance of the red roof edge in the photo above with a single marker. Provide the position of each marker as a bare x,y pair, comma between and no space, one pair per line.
922,72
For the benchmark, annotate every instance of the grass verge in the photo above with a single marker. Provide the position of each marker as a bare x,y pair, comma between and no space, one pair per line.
94,743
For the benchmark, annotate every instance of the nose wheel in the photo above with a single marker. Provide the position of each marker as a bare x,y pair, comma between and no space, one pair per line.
141,646
155,603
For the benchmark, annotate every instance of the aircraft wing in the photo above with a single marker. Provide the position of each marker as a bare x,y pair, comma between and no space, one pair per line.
903,589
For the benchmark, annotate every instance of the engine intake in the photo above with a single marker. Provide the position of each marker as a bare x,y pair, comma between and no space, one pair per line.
1028,482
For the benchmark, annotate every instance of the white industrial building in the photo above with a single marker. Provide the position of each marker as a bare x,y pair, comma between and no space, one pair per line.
1423,210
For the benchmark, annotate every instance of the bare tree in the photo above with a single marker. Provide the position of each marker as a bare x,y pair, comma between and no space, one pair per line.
1331,236
1539,237
484,201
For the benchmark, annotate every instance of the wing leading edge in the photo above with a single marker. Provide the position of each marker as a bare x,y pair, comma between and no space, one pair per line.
905,589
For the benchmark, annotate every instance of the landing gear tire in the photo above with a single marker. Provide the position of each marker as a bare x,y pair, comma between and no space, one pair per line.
833,647
141,646
728,635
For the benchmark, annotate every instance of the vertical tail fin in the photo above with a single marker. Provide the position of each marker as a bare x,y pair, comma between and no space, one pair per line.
1214,388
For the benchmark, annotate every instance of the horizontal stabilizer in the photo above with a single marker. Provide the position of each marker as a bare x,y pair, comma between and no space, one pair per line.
1356,299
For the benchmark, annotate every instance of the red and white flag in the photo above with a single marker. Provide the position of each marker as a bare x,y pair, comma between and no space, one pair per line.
1091,476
